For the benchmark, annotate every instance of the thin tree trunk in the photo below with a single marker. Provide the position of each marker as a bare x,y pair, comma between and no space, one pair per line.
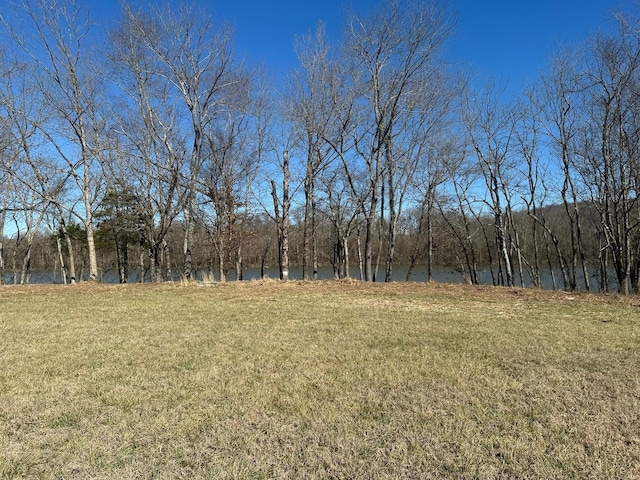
25,273
155,262
554,283
583,259
239,264
307,228
286,205
141,260
189,236
370,221
118,258
2,220
360,259
221,256
535,274
430,241
501,243
166,254
282,221
125,264
515,242
368,248
86,195
380,229
393,216
14,255
604,268
346,255
63,268
314,235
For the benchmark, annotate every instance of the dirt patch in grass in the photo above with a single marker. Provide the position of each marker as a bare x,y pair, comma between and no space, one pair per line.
317,380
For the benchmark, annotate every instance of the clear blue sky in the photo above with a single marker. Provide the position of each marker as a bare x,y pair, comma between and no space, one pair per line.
507,38
513,39
510,39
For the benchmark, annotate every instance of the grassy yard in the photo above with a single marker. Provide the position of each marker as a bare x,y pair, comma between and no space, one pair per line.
317,380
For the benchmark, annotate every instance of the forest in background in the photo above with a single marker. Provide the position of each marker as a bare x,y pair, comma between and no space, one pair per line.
146,144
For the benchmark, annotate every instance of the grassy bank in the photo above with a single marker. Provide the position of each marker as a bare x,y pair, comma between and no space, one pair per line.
317,380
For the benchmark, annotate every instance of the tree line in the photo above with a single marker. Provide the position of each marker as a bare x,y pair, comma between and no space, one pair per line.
148,144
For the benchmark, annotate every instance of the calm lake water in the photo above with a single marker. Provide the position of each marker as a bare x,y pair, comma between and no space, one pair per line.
440,274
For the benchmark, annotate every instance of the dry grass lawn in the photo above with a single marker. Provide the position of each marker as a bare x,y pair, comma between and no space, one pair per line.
346,380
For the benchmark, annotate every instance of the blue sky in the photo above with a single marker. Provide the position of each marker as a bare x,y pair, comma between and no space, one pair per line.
513,39
509,39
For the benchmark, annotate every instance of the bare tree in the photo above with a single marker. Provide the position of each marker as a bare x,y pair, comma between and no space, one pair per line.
527,138
194,56
343,212
490,126
313,105
235,142
563,97
58,45
32,212
436,160
392,53
458,213
29,169
153,150
612,144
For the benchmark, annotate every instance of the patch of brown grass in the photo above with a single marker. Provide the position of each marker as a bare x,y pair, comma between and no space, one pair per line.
317,380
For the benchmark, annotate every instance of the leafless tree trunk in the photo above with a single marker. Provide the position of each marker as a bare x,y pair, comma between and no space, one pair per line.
6,191
281,214
360,258
71,265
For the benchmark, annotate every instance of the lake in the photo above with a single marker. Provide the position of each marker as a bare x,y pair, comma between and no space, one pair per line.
440,274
